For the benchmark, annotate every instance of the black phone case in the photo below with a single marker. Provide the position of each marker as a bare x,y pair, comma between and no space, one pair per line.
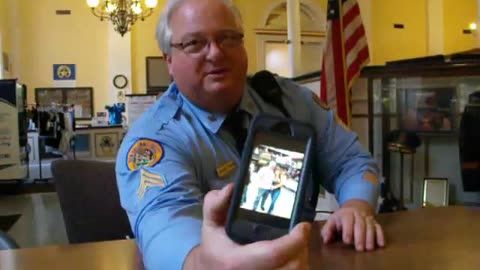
250,231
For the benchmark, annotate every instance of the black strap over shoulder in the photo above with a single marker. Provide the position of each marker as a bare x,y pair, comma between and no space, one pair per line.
265,84
267,87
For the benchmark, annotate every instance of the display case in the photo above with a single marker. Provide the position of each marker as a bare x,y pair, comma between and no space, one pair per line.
426,96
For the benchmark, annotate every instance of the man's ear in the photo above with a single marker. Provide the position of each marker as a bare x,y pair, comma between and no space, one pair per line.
168,60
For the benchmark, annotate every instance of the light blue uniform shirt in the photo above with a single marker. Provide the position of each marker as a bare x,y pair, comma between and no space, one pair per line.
163,197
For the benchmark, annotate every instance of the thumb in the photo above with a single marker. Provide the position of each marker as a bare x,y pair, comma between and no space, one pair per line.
276,253
215,206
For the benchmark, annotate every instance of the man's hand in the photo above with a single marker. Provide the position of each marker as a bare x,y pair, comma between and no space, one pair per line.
218,251
356,223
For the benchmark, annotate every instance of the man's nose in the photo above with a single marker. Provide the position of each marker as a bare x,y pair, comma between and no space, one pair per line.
214,51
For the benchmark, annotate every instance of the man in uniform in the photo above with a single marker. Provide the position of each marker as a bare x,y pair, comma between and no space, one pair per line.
193,132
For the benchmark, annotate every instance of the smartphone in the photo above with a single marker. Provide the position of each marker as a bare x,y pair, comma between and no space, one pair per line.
274,184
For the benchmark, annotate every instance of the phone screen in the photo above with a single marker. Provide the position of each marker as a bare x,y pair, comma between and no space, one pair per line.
275,168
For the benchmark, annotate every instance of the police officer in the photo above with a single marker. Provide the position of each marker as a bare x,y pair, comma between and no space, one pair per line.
194,157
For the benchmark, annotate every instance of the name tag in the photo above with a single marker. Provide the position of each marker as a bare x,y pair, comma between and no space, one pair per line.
226,169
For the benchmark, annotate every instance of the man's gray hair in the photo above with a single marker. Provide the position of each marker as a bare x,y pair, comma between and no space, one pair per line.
164,30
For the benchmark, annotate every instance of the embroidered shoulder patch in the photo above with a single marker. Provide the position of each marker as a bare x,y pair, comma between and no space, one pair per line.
320,103
144,153
370,177
149,180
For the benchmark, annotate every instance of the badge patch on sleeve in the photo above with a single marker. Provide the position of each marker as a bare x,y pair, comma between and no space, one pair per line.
144,153
149,180
370,177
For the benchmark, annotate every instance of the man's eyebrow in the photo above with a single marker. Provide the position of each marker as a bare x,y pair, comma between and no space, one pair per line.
192,34
226,30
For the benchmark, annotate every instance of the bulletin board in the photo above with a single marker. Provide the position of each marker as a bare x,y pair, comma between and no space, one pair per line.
80,97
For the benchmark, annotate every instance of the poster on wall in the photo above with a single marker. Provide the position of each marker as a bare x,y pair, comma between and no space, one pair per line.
64,75
136,105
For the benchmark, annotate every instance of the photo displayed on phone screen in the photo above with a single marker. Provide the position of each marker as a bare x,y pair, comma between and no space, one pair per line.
272,181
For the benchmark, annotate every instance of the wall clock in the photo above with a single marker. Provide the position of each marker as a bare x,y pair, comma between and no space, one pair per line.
120,81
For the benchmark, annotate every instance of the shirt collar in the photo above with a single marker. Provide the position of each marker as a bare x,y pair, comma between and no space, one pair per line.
213,121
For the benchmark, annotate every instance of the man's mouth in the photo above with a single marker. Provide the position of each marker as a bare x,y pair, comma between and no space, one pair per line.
217,71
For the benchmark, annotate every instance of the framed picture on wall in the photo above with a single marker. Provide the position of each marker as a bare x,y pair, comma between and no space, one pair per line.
106,145
80,97
427,110
158,77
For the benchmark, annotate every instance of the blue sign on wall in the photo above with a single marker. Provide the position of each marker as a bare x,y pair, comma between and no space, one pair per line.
62,72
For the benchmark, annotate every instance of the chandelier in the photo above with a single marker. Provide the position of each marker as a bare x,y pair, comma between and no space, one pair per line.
122,13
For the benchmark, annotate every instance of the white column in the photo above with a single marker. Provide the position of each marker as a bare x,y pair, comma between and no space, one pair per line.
435,27
119,62
294,37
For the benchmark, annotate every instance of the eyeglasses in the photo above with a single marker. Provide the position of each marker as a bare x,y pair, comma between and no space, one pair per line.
196,45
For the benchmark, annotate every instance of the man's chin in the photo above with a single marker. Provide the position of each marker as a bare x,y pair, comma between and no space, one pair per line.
219,87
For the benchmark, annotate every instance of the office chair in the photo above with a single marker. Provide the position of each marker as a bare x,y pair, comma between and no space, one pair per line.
89,200
6,242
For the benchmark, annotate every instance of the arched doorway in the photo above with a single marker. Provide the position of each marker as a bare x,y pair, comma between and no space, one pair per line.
272,43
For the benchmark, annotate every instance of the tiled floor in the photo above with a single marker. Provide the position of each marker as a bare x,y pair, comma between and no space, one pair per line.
41,223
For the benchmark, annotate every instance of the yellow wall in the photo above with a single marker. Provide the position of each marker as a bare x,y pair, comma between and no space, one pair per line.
12,39
37,38
396,44
366,10
457,16
5,30
3,25
49,39
144,44
44,39
435,10
80,38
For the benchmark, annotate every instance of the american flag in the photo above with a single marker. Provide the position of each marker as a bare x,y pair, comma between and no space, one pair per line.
346,52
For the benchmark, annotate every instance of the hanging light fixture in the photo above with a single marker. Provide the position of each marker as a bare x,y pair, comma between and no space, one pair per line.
122,13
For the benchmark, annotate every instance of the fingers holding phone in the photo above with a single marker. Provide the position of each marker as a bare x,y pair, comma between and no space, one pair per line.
218,251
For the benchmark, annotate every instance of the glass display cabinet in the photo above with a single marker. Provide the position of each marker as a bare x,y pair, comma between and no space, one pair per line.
425,98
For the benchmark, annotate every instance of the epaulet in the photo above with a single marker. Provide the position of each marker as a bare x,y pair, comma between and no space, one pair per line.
160,113
167,107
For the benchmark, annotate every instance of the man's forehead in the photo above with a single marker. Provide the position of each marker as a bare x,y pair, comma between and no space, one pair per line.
198,16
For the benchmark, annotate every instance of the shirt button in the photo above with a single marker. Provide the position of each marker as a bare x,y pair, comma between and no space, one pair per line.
212,118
